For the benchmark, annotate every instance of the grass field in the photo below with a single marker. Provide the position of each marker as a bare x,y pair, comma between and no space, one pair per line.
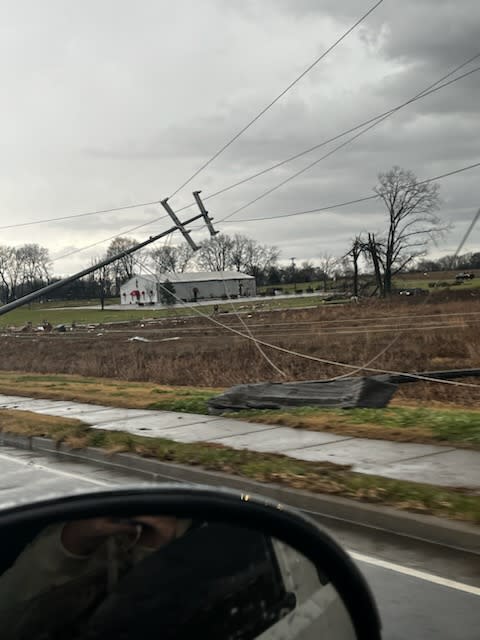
397,423
315,477
425,284
424,280
21,316
37,314
291,288
115,393
54,304
405,280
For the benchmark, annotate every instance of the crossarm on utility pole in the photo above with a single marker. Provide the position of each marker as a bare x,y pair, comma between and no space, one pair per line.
208,220
180,226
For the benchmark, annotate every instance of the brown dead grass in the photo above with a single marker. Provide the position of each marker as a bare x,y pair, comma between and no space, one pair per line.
207,356
114,393
435,395
34,424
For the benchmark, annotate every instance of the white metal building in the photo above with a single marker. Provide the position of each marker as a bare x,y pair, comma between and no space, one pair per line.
189,286
140,288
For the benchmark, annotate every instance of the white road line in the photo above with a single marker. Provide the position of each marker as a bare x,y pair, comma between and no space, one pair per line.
414,573
67,474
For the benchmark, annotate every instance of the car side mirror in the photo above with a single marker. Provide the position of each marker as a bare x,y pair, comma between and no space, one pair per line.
176,561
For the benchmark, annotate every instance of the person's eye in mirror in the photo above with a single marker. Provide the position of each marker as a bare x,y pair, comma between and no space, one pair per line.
83,537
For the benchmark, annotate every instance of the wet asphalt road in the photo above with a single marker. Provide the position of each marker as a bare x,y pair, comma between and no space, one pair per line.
411,606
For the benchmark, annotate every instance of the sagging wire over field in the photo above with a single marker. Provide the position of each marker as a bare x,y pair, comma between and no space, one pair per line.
297,354
178,225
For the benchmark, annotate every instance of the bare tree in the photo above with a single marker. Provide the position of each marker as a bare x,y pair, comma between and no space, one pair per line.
260,258
216,254
374,250
124,268
185,256
101,279
427,265
9,272
164,259
353,257
327,266
239,252
448,263
249,256
34,262
22,269
171,258
412,222
469,260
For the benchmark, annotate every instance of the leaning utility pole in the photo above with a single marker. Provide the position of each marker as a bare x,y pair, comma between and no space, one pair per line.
292,266
104,263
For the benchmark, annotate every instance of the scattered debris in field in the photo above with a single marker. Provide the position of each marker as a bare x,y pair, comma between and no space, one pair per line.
142,339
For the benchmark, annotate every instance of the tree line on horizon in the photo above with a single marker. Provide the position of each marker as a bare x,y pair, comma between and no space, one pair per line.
411,225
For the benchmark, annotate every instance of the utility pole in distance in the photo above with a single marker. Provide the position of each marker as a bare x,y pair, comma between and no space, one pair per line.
293,273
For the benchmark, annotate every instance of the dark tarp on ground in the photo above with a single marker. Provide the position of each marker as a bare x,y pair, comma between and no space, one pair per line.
345,393
373,392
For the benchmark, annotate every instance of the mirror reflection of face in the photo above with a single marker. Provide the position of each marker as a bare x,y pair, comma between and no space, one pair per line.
83,537
121,577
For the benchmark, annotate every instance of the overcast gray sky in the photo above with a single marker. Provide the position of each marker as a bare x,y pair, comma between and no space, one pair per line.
111,102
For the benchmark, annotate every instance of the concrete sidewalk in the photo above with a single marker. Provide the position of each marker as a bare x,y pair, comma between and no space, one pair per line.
433,464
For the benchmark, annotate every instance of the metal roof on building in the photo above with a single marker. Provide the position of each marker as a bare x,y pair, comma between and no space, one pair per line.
204,276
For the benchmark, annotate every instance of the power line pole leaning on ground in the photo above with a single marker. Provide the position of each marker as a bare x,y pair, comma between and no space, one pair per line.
181,226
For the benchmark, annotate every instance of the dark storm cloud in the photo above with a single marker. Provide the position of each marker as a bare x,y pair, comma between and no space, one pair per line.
419,32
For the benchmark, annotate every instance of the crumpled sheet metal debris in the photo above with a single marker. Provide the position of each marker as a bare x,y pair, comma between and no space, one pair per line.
346,393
